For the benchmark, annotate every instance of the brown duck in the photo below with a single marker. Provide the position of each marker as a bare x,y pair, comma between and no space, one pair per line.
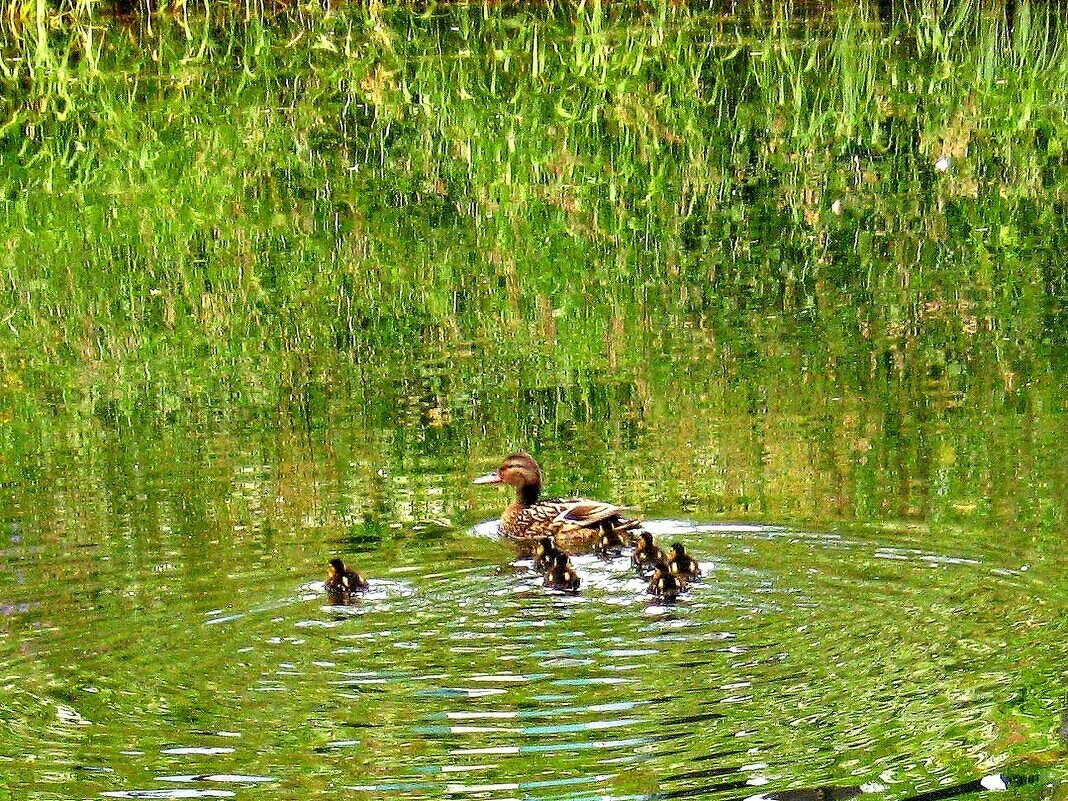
646,552
561,573
577,524
682,564
665,584
342,581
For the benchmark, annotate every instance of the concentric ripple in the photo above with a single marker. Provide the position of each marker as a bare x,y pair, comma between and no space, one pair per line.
802,664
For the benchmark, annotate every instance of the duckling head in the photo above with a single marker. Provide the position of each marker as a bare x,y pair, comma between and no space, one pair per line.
677,550
335,568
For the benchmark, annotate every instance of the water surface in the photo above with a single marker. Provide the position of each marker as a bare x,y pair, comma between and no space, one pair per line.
274,290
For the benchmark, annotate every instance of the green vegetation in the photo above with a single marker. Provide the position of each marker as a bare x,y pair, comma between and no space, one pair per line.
212,211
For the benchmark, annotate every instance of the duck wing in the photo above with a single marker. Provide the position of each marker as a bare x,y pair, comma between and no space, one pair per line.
586,512
576,523
580,512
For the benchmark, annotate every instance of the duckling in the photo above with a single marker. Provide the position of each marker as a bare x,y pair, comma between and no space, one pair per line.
646,553
682,564
545,551
561,574
611,543
665,584
342,582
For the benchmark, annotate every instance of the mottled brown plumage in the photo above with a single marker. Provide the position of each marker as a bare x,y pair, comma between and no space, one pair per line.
576,524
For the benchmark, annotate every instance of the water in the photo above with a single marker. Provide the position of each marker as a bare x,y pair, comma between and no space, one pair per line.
817,335
206,662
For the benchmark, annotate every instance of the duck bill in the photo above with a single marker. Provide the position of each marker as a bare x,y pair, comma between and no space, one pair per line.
489,478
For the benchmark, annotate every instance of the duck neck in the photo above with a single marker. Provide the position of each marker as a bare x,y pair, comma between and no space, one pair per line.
527,494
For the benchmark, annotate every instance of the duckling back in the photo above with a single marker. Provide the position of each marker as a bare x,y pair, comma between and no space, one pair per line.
682,564
611,544
665,584
545,552
646,553
562,574
342,582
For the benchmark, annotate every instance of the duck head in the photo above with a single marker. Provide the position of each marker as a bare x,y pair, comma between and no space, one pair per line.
677,550
520,471
335,568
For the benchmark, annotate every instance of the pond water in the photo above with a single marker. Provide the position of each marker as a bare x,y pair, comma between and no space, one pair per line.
275,290
208,664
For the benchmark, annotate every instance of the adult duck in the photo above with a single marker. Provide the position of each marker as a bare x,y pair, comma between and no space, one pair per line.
576,524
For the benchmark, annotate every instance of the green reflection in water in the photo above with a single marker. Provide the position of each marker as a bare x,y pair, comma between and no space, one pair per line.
276,289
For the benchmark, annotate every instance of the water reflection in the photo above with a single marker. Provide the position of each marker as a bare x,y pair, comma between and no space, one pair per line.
356,284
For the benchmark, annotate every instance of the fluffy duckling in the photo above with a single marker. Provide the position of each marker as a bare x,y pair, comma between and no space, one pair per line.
646,552
561,574
545,552
682,564
665,584
611,544
342,581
